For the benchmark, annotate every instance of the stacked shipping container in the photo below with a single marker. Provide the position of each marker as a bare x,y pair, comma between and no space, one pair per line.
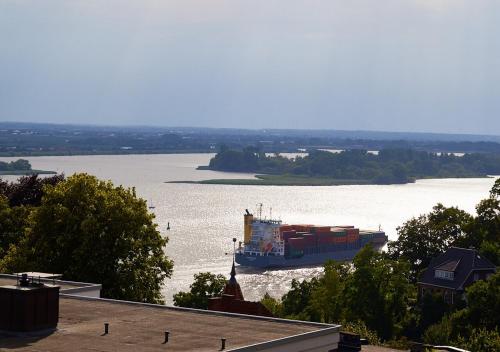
308,239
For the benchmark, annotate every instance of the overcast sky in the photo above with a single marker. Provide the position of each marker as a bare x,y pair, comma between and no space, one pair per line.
395,65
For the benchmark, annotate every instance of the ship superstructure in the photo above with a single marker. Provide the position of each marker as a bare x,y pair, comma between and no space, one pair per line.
269,243
262,237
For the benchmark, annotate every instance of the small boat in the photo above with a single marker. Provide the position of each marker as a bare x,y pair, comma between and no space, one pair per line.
151,205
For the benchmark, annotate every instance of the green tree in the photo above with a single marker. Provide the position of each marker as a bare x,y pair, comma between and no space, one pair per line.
481,312
20,164
432,308
327,297
440,333
273,305
495,190
27,190
484,233
483,303
423,238
359,327
205,285
389,166
481,340
377,292
296,302
89,230
13,221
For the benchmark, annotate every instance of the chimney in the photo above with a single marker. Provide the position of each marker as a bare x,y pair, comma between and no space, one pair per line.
29,306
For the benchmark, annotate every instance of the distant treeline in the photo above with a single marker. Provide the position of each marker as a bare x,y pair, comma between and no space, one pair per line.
18,139
386,167
18,165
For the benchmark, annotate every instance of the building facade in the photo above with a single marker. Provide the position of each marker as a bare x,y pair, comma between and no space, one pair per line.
453,271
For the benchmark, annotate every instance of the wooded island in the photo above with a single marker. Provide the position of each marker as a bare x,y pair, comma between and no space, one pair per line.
318,167
19,167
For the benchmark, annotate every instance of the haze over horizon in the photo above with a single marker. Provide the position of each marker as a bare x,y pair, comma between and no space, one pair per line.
417,65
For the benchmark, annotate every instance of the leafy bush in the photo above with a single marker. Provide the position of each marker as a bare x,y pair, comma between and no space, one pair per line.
481,340
205,285
359,327
273,305
440,333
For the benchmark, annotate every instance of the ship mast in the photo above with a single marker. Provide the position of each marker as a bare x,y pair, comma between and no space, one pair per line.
260,210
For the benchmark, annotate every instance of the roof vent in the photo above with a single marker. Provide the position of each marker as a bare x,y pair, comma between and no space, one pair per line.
24,281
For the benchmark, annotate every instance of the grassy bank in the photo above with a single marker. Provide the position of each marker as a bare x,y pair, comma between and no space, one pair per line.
281,180
25,172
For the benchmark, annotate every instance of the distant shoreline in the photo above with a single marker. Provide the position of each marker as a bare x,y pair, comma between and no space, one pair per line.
26,172
288,180
101,153
280,180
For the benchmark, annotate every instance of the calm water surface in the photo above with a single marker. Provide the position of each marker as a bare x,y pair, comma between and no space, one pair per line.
205,218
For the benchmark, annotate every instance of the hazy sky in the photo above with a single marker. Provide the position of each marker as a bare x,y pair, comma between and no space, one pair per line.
397,65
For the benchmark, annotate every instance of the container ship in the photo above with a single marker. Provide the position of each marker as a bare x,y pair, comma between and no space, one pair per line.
269,243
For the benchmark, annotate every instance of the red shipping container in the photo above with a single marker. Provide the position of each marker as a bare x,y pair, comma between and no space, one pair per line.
352,231
284,228
288,234
322,229
324,234
297,243
338,229
302,228
310,238
325,240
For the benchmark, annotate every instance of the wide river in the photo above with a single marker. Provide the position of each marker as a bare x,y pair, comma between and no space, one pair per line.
205,218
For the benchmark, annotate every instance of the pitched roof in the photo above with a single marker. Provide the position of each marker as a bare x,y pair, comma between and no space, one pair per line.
233,287
449,266
461,261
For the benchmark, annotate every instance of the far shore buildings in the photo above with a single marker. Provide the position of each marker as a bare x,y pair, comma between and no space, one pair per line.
52,315
453,271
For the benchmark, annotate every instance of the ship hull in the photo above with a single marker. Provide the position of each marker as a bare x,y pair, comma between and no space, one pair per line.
306,260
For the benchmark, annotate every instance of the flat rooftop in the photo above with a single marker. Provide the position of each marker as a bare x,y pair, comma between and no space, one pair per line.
12,281
141,327
66,286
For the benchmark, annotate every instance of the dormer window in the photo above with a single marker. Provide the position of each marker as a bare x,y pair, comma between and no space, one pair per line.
444,274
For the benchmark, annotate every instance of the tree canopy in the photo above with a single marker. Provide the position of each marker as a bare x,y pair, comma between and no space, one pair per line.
205,285
373,290
376,295
17,165
28,190
422,238
386,167
89,230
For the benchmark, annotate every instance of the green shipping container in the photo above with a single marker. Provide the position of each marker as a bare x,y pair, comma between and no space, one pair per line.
340,233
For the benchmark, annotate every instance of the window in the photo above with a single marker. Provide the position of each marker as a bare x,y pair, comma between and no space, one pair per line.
443,274
476,276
